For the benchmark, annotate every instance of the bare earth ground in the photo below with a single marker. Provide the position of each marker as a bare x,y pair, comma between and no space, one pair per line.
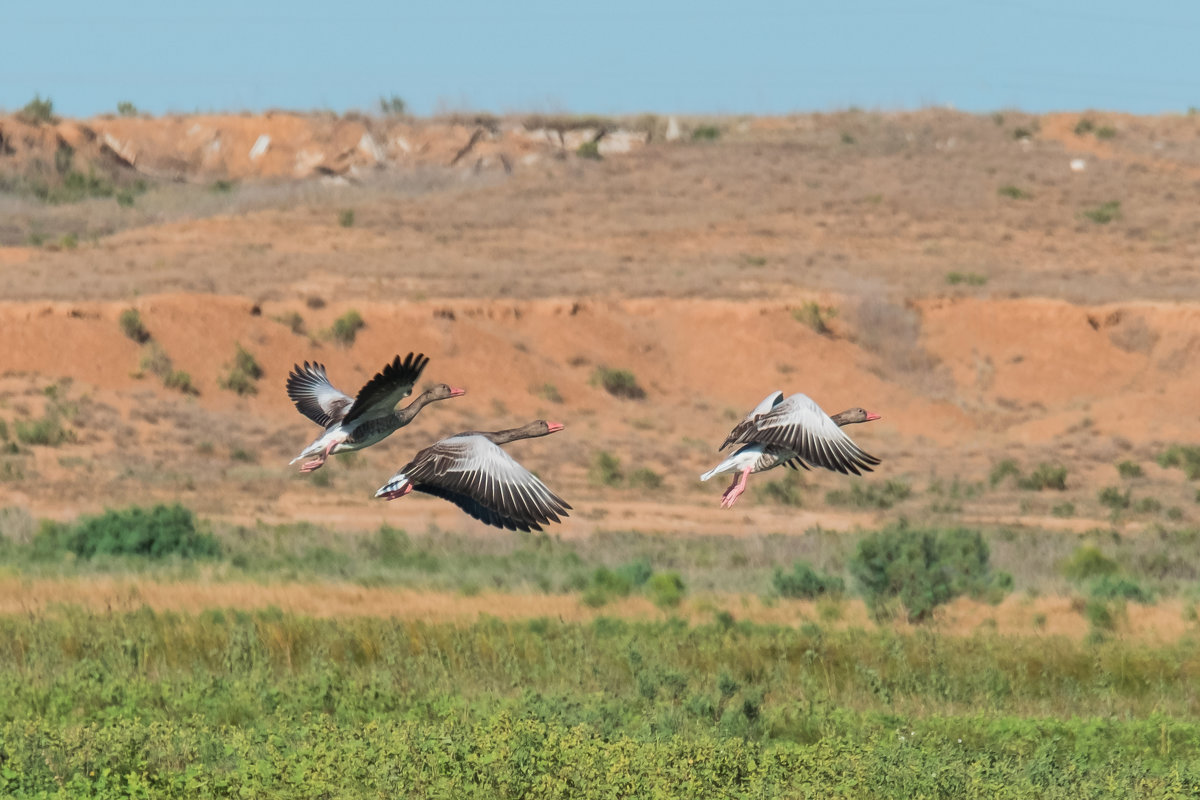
1064,340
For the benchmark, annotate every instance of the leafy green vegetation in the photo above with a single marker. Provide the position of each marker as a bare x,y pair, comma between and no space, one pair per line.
589,150
231,703
706,133
127,109
393,105
243,374
1002,470
346,218
606,470
786,491
157,532
1185,457
862,494
618,383
646,479
815,316
1114,498
1013,192
1088,562
346,327
1046,476
924,568
804,581
969,278
47,430
38,110
1129,469
1103,213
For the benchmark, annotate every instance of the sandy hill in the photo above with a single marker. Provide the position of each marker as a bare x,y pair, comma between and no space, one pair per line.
998,288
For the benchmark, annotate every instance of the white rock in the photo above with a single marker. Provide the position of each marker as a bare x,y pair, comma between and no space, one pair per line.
674,134
370,148
307,161
1078,165
401,144
125,151
621,141
260,147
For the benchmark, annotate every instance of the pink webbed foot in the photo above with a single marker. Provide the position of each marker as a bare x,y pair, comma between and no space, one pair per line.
315,464
735,490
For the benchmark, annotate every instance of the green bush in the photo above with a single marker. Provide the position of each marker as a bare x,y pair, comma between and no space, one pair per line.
787,491
805,582
924,568
1129,469
181,381
618,383
606,470
1110,587
1013,192
969,278
127,109
156,533
706,133
1003,470
131,326
666,589
589,150
1046,476
346,218
1088,562
1114,498
1065,509
870,495
346,327
816,317
1186,457
645,478
47,431
242,374
1103,213
37,111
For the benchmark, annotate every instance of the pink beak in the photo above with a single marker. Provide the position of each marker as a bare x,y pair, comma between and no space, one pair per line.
554,426
457,392
871,416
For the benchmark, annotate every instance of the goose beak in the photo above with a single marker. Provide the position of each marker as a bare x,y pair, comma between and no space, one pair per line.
551,427
871,416
457,392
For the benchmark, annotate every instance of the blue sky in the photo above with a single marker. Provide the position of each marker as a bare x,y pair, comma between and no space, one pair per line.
608,56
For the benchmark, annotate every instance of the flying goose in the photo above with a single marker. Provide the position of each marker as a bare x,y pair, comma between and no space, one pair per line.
795,432
473,472
354,423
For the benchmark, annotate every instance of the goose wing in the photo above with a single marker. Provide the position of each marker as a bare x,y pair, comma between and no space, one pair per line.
799,425
746,425
390,385
486,482
315,397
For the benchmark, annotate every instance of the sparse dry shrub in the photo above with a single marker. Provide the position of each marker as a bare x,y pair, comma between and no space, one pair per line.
1134,336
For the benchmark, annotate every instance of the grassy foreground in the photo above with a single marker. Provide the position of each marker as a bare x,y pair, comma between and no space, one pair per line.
270,705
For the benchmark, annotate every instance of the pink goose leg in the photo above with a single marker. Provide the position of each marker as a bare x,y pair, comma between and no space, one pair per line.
735,489
315,464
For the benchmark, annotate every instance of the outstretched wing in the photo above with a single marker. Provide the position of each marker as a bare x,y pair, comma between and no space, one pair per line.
315,397
799,425
485,482
742,428
390,385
